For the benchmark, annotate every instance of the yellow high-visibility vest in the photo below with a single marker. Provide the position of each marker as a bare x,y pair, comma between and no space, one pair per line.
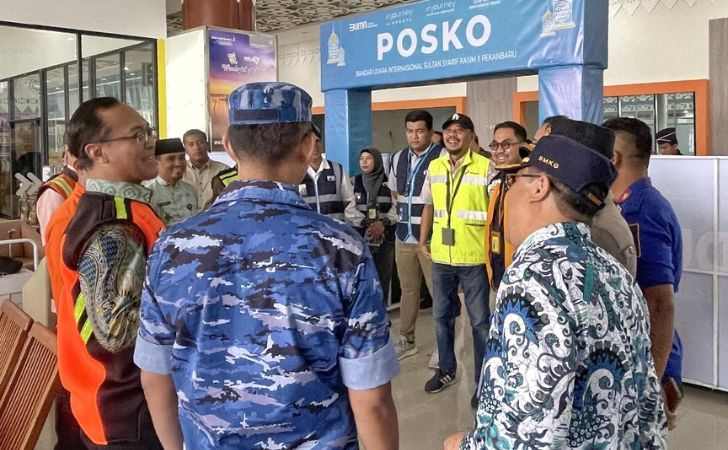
460,203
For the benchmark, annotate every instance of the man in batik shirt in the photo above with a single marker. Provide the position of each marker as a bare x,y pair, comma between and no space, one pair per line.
568,362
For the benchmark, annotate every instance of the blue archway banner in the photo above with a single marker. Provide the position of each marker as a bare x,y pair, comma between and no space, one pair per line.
440,40
431,41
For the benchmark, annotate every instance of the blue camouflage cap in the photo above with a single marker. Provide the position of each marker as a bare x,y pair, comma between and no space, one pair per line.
267,103
583,170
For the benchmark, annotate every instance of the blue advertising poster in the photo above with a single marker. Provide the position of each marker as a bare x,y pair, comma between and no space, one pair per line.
452,39
235,58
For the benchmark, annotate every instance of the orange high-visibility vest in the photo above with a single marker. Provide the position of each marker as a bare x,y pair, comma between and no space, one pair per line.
105,387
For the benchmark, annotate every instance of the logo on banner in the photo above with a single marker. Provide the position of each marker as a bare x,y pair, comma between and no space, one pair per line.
559,17
232,59
337,54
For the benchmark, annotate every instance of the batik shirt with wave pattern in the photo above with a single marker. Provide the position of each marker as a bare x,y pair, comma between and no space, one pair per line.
568,361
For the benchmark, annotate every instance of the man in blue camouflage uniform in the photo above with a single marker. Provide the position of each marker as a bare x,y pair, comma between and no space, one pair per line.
265,318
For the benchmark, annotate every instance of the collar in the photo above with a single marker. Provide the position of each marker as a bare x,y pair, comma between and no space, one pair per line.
635,188
573,231
204,166
424,153
324,166
262,190
462,162
131,191
161,181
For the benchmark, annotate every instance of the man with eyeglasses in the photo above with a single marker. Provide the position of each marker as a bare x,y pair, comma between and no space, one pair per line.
97,245
568,358
456,199
507,148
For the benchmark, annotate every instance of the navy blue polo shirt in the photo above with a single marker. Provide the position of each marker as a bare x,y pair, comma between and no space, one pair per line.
658,238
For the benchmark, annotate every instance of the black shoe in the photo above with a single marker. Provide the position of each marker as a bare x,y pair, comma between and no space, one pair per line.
439,382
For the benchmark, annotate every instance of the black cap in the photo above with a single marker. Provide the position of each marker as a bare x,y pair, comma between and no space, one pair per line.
578,167
461,119
166,146
599,139
666,136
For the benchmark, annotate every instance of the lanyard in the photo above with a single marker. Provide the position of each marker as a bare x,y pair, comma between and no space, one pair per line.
410,175
449,202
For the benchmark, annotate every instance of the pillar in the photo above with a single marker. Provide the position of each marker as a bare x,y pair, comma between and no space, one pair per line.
238,14
348,126
573,91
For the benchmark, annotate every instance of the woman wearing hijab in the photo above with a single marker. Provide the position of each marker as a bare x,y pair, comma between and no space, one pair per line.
373,213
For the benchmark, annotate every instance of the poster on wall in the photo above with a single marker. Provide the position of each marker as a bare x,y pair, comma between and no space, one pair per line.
235,58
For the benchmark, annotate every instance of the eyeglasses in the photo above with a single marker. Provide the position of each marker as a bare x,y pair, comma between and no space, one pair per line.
512,177
147,137
494,146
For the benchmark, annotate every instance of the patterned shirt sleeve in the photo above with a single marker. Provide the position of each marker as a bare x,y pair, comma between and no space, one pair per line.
530,363
111,272
153,351
366,356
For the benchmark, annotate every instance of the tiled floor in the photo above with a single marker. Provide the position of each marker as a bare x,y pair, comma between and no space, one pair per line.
425,420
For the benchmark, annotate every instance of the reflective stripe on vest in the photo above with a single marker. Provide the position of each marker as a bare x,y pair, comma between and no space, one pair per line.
409,189
228,178
468,210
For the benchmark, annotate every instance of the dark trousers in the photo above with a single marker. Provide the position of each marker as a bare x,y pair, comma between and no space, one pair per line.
384,260
147,438
67,430
446,308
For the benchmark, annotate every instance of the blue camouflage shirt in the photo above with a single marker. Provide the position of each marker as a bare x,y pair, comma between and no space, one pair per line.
264,313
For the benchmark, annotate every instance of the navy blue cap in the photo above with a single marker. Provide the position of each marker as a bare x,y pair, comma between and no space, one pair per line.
597,138
461,119
166,146
268,103
578,167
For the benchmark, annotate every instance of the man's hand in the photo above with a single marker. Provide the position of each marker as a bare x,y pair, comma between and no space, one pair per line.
454,441
376,230
425,249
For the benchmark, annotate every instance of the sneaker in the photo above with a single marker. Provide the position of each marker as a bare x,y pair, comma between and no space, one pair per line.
434,362
406,348
439,382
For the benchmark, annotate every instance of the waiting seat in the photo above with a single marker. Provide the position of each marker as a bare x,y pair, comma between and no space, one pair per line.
14,326
32,387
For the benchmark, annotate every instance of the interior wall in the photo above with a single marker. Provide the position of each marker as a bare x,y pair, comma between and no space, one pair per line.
144,18
388,129
186,88
719,85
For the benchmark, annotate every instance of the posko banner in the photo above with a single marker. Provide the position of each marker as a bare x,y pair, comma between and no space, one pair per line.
235,58
439,40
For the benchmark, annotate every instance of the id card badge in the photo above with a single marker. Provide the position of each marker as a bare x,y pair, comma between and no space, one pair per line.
448,236
495,242
372,213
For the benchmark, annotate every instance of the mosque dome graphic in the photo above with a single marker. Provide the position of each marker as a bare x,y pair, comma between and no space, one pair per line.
337,54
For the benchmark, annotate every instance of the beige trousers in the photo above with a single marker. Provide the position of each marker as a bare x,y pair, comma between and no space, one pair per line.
412,264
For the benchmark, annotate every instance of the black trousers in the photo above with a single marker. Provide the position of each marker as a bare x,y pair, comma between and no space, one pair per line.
147,438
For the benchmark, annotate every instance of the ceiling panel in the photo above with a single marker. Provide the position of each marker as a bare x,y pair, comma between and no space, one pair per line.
280,15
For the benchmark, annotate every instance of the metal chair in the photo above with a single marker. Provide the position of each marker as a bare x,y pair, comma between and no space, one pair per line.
27,399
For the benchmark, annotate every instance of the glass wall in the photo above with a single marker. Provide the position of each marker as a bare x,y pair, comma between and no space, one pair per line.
40,90
658,111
